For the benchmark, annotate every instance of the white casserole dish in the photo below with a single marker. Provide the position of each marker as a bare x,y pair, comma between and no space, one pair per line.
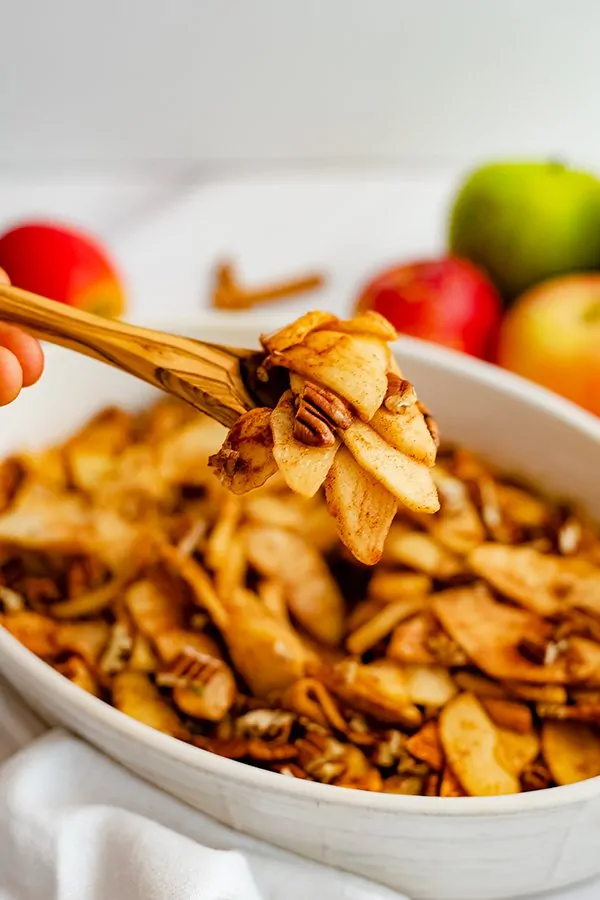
433,848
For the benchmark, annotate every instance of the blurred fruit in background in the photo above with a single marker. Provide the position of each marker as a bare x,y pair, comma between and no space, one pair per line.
448,301
64,265
552,336
526,222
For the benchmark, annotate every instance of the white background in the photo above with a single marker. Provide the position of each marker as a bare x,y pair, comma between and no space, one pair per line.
114,113
410,81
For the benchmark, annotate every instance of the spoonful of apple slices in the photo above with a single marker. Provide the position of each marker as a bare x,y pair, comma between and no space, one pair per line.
349,422
324,402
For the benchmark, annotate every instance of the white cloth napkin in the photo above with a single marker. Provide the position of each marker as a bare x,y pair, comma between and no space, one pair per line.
76,826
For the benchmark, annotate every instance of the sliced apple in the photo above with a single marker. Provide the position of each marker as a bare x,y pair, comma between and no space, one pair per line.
572,751
520,573
362,507
313,596
266,651
382,622
470,741
408,480
516,751
410,640
407,431
246,461
429,686
370,322
304,468
297,331
422,552
379,689
352,366
490,633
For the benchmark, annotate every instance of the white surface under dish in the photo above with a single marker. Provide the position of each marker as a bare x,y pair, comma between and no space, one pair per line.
432,848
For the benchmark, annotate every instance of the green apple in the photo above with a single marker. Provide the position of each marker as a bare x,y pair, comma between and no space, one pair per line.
525,222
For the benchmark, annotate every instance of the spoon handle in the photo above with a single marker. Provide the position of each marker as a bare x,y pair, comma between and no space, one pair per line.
205,375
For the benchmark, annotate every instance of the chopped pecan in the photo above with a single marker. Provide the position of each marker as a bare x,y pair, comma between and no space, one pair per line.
331,762
536,776
118,650
542,652
491,511
11,601
392,752
400,393
533,650
408,765
321,756
273,725
569,536
83,575
389,749
38,591
554,650
319,412
581,712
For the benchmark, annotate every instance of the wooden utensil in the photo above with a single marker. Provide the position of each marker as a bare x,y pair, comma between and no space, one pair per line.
220,381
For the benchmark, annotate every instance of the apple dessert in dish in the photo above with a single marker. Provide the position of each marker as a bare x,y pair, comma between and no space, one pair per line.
465,662
350,422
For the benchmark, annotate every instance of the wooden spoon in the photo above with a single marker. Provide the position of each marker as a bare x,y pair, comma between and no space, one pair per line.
220,381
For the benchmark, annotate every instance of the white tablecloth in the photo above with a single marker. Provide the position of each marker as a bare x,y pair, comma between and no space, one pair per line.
75,825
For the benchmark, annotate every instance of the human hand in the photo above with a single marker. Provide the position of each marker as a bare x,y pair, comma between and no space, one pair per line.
21,359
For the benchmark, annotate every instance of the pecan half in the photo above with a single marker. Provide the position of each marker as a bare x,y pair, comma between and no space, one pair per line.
203,686
400,393
319,413
311,429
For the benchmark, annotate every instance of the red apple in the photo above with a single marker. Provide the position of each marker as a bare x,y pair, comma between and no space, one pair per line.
64,265
448,301
552,336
